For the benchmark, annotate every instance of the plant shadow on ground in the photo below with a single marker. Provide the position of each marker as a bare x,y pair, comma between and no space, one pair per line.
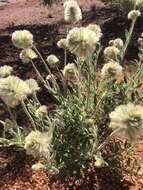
16,165
98,179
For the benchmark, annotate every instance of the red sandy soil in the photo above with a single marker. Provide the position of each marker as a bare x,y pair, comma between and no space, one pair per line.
15,167
16,174
25,12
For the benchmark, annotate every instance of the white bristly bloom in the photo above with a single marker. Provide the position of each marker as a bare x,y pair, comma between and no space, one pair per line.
33,85
42,111
70,68
5,71
52,60
118,43
50,77
22,39
27,55
140,41
132,15
128,120
62,43
38,166
38,144
13,90
82,41
111,52
139,3
111,69
95,28
99,163
72,11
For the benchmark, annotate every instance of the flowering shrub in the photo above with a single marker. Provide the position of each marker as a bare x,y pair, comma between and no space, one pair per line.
87,99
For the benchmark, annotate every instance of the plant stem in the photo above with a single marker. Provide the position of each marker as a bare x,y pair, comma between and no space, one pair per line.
128,39
107,140
45,64
49,121
101,99
78,76
35,97
12,115
89,76
38,73
135,76
46,83
2,122
28,114
65,62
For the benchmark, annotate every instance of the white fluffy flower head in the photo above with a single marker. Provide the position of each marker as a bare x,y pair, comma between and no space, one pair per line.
95,28
5,71
13,90
42,111
33,85
52,60
128,120
82,41
27,55
140,41
22,39
139,3
70,68
38,166
118,43
111,69
38,144
132,15
99,163
50,77
72,11
111,52
62,43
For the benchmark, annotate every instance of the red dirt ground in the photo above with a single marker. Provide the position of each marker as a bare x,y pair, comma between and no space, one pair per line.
26,12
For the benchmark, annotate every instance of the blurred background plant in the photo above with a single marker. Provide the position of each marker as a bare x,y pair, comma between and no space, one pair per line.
128,5
50,2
